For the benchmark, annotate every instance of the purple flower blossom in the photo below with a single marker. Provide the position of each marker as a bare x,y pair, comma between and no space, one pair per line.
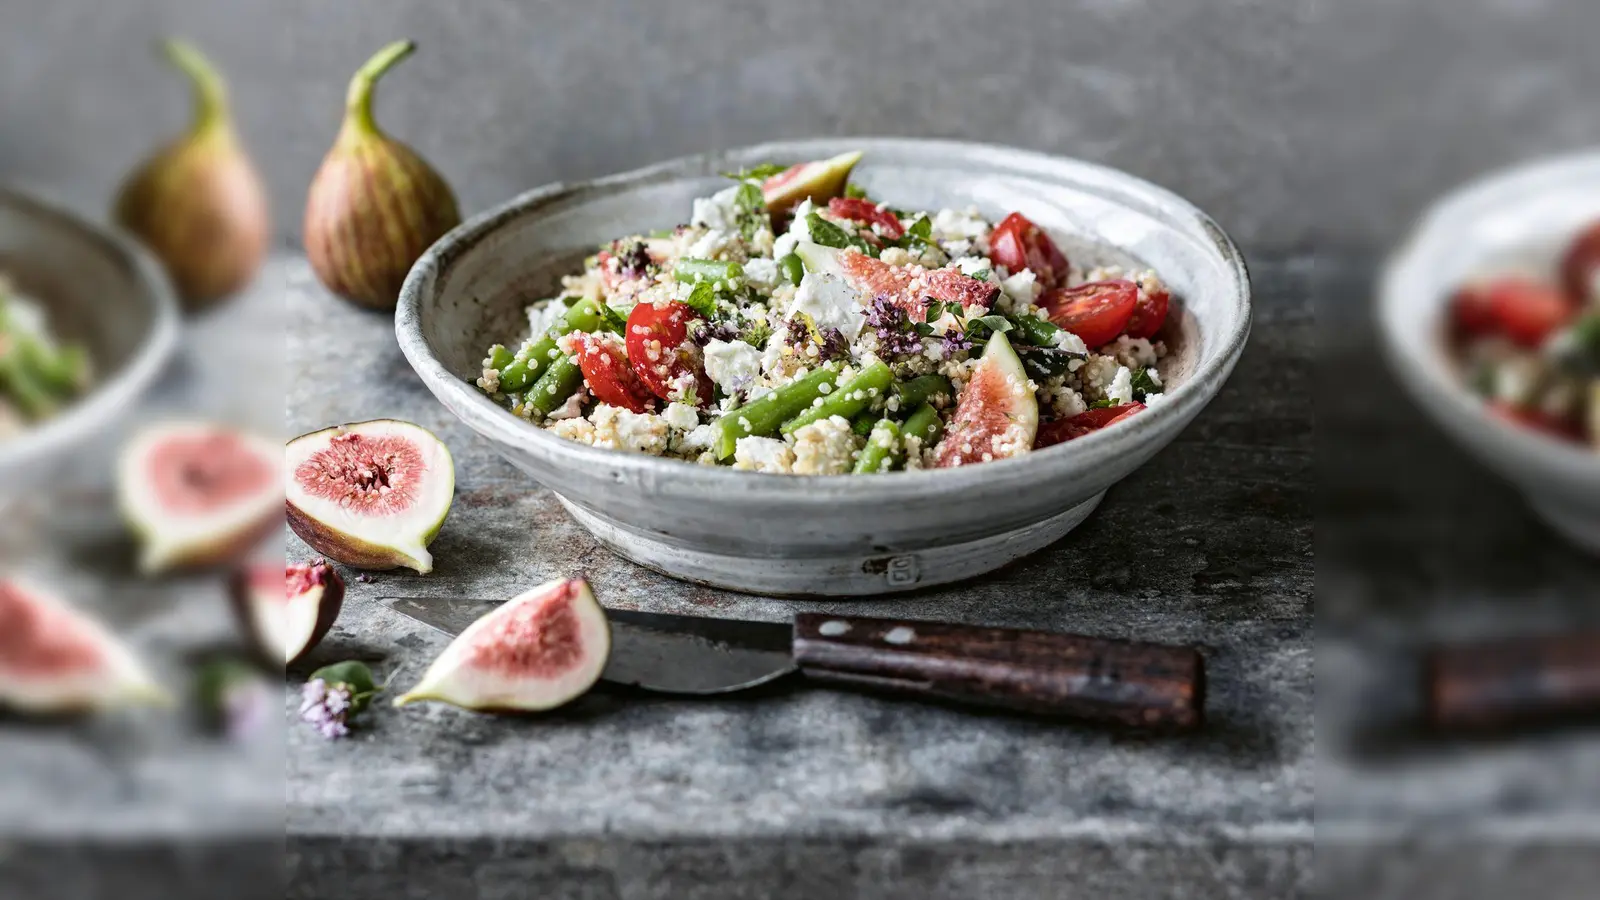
326,707
954,342
704,332
896,336
834,345
246,707
636,261
799,332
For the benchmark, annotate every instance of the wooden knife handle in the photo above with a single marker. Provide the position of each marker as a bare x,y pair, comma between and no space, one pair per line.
1512,682
1120,682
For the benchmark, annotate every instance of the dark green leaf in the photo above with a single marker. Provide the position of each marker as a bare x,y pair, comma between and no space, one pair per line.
612,319
353,674
703,299
1143,384
923,328
995,324
759,173
855,191
828,234
749,197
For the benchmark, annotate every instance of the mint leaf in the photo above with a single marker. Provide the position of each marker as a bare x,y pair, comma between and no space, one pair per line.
826,233
703,299
995,324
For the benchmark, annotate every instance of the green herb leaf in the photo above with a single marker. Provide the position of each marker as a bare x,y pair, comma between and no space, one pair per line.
703,299
935,311
756,334
995,324
828,234
612,319
855,191
760,172
353,674
923,329
1143,384
750,198
1102,404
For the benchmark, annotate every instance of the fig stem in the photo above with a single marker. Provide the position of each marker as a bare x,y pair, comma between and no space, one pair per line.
358,100
210,91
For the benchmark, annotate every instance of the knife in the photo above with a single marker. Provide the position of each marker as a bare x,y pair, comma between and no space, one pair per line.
1129,683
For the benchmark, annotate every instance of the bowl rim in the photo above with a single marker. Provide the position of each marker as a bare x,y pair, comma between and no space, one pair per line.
107,400
1422,361
494,422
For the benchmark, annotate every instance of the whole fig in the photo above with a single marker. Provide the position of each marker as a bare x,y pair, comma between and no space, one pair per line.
198,203
375,205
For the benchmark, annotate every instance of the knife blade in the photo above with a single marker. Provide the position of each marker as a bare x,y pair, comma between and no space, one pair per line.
654,651
1129,683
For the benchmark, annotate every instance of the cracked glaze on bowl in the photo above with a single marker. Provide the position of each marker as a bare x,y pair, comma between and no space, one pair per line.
833,535
1514,217
99,288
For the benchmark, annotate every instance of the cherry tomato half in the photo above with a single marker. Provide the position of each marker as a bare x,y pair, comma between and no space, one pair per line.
669,364
1528,311
1149,315
607,372
1087,422
1096,312
1580,269
866,211
1537,420
1472,311
1019,244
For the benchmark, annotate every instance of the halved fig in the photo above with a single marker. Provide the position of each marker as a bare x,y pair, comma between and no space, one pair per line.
536,652
285,616
907,287
55,659
198,494
819,180
996,416
372,495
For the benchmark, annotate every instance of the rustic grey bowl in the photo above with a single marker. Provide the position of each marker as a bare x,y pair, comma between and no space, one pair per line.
1516,217
838,535
98,288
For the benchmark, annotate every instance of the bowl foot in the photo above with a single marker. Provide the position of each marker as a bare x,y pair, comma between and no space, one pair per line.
853,575
1581,527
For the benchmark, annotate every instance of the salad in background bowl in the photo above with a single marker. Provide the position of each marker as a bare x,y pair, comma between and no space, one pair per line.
39,374
1488,314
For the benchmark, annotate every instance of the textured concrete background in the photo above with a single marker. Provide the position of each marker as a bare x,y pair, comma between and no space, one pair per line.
1298,124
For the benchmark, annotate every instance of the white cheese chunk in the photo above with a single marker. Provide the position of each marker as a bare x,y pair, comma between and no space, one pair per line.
732,365
830,302
719,212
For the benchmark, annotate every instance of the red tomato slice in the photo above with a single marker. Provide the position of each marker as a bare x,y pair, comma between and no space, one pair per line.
1019,244
1096,312
1527,311
606,370
1580,269
1087,422
1537,420
1472,309
866,211
1149,315
666,361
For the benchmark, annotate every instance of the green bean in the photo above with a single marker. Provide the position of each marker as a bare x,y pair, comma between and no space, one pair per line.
763,416
531,361
1036,331
883,451
846,400
792,267
690,271
863,422
920,390
925,425
499,357
559,381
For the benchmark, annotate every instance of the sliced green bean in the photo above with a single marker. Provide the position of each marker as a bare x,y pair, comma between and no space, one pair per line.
531,361
499,357
690,271
925,425
922,389
883,451
792,267
24,387
863,422
560,381
764,415
848,399
1036,331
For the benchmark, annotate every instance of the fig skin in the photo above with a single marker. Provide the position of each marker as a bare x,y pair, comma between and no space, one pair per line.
818,181
198,204
374,205
408,550
475,672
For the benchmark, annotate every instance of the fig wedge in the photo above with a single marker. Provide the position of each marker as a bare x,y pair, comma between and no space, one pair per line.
285,616
536,652
198,494
55,659
371,495
819,180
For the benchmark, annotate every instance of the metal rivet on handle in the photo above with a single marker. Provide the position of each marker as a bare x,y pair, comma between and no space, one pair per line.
833,628
900,635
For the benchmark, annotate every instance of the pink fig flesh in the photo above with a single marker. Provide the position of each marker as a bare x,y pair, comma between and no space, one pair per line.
198,494
371,495
536,652
55,659
286,616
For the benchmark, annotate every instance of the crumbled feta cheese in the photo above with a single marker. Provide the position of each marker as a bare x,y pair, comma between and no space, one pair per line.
1135,353
699,438
973,265
543,315
732,365
580,430
573,408
1021,287
1121,389
761,272
620,429
825,447
1154,400
720,211
1066,340
956,225
681,416
710,244
1097,375
761,454
830,302
784,245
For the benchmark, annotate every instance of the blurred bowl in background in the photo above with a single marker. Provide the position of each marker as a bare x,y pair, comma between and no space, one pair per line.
101,290
1507,219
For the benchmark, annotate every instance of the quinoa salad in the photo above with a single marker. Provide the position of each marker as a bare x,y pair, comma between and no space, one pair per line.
38,374
796,325
1528,342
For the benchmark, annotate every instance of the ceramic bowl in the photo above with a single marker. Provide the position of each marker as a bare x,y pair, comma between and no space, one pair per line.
1514,218
833,535
99,289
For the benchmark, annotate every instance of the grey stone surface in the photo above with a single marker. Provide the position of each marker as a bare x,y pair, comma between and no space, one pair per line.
793,791
1298,124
